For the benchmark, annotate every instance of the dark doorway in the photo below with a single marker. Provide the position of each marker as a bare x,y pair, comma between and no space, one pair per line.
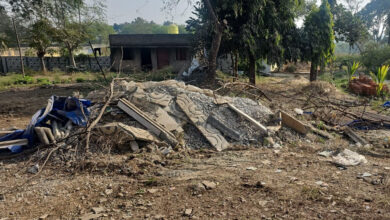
162,57
146,59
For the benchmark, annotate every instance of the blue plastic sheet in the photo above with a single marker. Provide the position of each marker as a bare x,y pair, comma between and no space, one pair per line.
387,104
61,109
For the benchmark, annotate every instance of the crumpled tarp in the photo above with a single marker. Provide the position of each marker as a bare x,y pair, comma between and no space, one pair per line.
61,109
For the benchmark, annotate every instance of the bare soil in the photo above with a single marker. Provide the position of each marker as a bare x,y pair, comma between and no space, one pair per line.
251,183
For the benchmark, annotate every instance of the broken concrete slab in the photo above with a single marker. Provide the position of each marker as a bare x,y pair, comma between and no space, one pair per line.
159,98
293,123
163,118
355,137
146,121
198,119
223,128
126,132
249,118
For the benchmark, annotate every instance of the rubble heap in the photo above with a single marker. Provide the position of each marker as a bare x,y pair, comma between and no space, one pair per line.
173,113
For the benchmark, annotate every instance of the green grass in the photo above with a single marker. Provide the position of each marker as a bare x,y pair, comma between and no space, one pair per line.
340,80
34,79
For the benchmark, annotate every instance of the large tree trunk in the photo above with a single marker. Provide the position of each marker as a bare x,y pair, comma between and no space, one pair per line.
216,42
41,56
71,57
252,70
313,71
213,54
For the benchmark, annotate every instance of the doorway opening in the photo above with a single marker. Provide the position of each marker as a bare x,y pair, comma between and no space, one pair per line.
146,59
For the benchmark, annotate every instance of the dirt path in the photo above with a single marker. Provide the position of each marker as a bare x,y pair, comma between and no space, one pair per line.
250,184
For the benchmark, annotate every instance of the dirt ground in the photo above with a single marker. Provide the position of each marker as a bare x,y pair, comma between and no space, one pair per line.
292,182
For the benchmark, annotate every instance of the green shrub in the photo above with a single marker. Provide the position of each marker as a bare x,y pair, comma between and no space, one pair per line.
375,56
345,60
380,78
23,80
291,68
351,70
43,81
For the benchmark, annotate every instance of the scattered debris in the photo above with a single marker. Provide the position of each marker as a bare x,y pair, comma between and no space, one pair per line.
34,169
326,153
251,168
355,137
209,185
349,158
298,111
291,122
188,212
249,118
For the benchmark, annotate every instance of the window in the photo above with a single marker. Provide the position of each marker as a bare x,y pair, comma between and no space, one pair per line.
181,53
128,54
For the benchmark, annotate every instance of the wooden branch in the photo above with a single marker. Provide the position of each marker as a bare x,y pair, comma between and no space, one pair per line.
96,121
97,61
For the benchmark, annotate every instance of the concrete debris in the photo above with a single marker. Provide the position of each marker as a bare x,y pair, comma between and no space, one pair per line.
349,158
249,118
326,153
209,185
188,212
223,128
33,169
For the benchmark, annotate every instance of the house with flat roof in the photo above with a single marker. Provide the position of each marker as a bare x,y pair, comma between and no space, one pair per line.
148,52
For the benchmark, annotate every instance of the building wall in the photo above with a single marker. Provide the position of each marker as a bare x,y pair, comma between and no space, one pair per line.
135,64
12,64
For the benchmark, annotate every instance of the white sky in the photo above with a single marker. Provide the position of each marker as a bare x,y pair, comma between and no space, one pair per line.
119,11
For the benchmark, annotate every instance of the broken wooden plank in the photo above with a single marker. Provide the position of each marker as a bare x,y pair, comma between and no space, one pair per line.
249,118
198,119
355,137
295,124
18,142
223,128
146,121
321,133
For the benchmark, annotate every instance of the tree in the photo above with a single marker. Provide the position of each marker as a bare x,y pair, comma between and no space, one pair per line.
375,14
41,38
320,37
99,32
252,30
348,27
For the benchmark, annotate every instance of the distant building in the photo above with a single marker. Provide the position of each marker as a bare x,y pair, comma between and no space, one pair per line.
151,51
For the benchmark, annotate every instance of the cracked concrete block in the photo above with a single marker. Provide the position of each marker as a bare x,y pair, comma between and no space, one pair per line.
197,118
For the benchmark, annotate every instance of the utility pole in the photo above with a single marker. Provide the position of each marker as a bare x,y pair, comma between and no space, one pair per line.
20,50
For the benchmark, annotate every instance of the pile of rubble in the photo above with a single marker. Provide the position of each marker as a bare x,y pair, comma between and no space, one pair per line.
172,113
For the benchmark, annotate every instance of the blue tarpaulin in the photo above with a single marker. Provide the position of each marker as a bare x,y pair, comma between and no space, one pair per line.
61,109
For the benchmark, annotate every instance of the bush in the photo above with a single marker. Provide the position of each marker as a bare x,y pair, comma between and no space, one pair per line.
345,60
24,80
375,56
291,68
43,81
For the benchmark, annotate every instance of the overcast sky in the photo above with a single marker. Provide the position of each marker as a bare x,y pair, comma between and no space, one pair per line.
119,11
